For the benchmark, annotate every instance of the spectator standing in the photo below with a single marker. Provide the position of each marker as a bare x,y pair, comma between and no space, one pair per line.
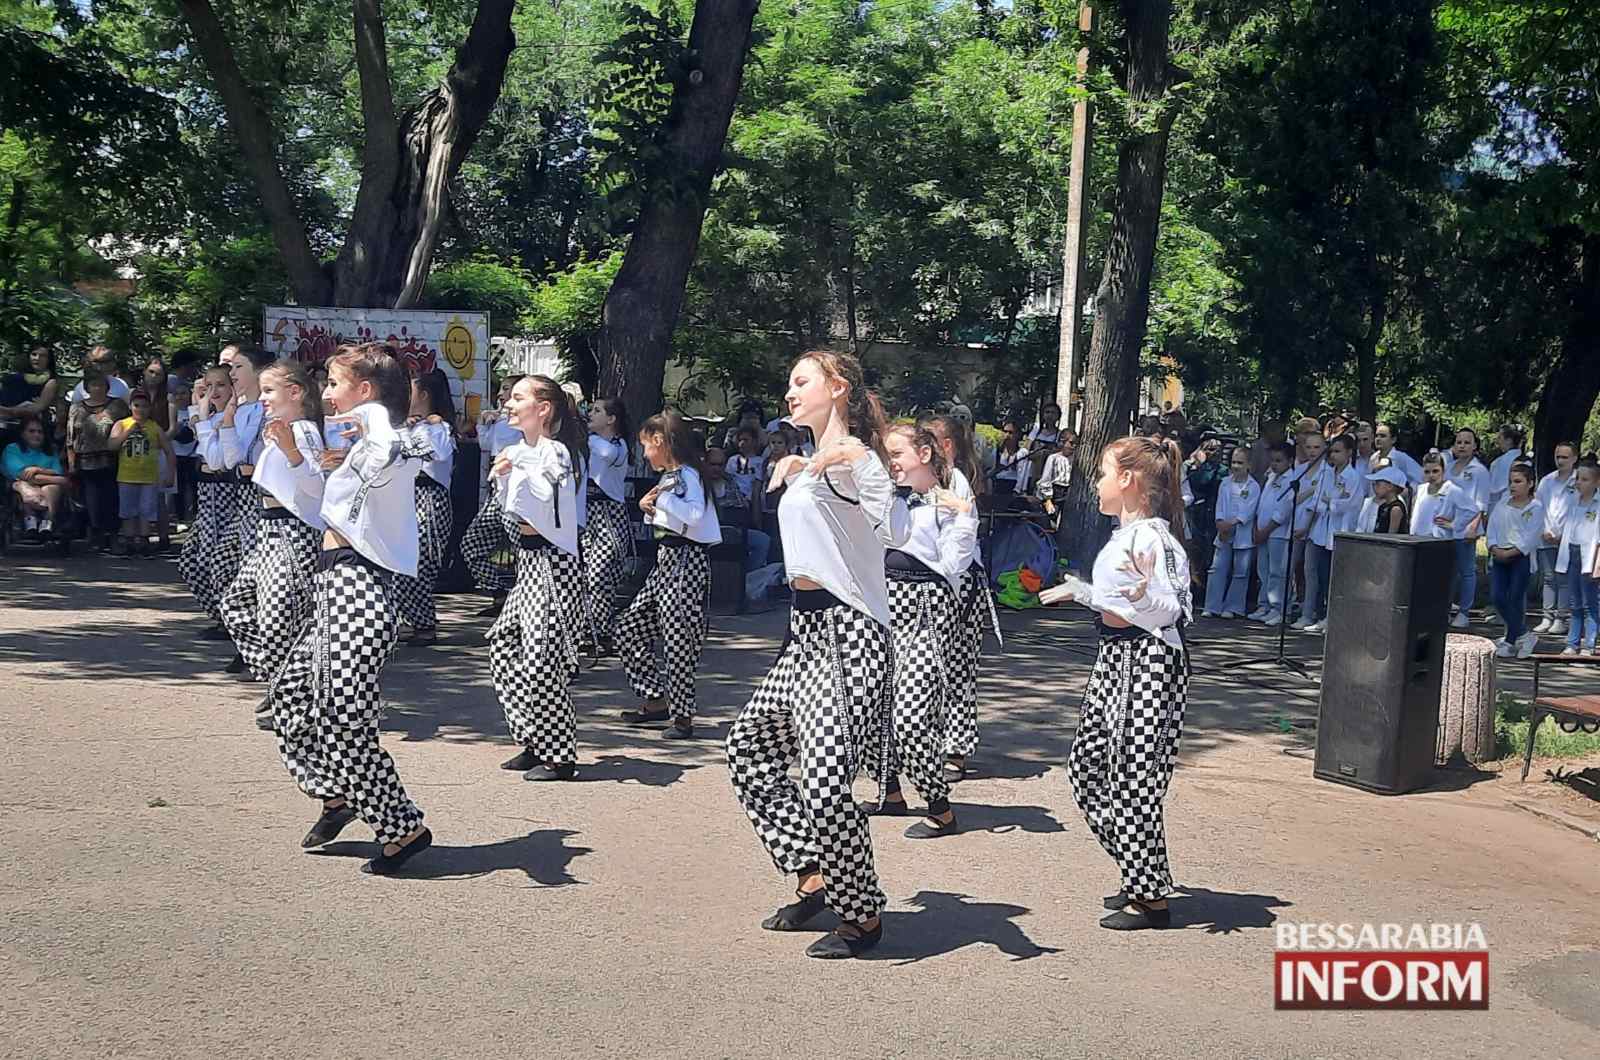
1235,517
34,391
103,362
1555,494
140,444
92,457
1515,526
1468,473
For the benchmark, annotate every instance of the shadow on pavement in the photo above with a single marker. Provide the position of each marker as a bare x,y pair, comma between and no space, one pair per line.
626,769
542,855
1224,913
976,817
949,922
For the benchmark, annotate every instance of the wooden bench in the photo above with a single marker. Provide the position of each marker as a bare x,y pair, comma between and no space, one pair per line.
1575,711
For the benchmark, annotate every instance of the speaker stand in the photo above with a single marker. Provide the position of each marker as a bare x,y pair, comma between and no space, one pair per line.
1278,658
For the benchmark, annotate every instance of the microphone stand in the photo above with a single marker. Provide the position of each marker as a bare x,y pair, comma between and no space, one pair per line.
1279,659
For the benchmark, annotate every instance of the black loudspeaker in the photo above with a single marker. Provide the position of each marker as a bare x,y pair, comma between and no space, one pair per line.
1388,609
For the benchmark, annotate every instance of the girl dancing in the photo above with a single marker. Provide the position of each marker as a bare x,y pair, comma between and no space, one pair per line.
924,577
270,600
326,698
530,649
210,557
822,704
431,427
1127,740
607,537
671,608
485,536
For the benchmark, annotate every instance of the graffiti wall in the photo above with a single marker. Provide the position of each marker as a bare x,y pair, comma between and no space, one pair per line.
456,342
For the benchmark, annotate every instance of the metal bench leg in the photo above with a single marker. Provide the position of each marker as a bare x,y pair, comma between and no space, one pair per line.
1534,717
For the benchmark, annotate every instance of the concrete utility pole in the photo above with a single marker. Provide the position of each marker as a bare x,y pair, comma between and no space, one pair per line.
1070,366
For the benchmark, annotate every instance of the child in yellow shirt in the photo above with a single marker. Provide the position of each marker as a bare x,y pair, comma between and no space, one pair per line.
139,441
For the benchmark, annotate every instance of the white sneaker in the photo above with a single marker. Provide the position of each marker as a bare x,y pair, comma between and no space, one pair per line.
1208,614
45,526
1272,619
1228,614
1570,650
1543,626
1558,628
1460,621
1502,650
1527,644
1317,628
1300,623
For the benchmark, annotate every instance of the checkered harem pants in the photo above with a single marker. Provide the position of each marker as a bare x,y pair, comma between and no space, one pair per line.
485,537
605,555
530,658
922,616
974,618
212,553
413,597
326,702
671,608
818,706
1124,752
268,604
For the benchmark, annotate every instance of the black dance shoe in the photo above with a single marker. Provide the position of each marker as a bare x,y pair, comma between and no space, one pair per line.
1143,917
385,865
889,808
553,771
931,828
796,915
328,826
838,944
675,731
1115,901
521,762
236,664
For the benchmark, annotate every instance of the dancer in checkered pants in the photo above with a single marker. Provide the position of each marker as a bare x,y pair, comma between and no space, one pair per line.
606,537
269,602
211,555
823,704
485,536
924,574
975,610
432,414
1127,739
671,608
326,698
530,645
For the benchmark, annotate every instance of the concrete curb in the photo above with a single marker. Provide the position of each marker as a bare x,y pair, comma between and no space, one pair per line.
1566,820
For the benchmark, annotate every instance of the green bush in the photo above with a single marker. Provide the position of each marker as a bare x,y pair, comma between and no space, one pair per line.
504,292
1511,734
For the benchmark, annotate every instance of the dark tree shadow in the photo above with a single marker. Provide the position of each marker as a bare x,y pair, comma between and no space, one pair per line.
542,855
626,769
989,766
1222,913
949,922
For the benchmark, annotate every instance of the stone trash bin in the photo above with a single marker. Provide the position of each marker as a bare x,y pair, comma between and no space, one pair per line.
1466,699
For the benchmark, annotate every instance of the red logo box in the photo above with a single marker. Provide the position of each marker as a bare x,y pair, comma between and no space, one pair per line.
1408,979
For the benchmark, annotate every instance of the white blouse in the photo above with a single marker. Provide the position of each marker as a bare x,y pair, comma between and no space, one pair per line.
1403,461
1237,503
1555,495
239,441
296,487
1057,471
1517,528
1273,509
541,490
208,440
439,438
1306,485
1581,530
1339,507
683,508
608,466
1451,502
835,528
945,540
1473,479
1500,474
370,499
1166,600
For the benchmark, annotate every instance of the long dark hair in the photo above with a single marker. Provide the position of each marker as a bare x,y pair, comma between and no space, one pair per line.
563,426
378,363
436,385
295,374
863,411
619,412
960,436
671,428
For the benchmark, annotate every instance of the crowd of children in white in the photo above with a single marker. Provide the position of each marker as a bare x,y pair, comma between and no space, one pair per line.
1281,505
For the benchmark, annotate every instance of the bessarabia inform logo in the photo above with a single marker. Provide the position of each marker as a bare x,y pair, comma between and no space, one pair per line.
1381,966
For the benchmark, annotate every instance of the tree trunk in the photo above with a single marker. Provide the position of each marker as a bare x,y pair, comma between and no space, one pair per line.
1573,385
642,307
406,164
1122,301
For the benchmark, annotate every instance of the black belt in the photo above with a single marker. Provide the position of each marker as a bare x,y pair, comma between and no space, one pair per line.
904,567
277,513
534,543
679,541
595,495
224,477
329,558
816,600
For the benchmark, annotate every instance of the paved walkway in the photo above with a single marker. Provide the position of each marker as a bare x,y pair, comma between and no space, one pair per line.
155,902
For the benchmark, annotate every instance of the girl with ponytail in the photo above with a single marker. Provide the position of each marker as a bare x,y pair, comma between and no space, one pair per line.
1127,739
828,691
